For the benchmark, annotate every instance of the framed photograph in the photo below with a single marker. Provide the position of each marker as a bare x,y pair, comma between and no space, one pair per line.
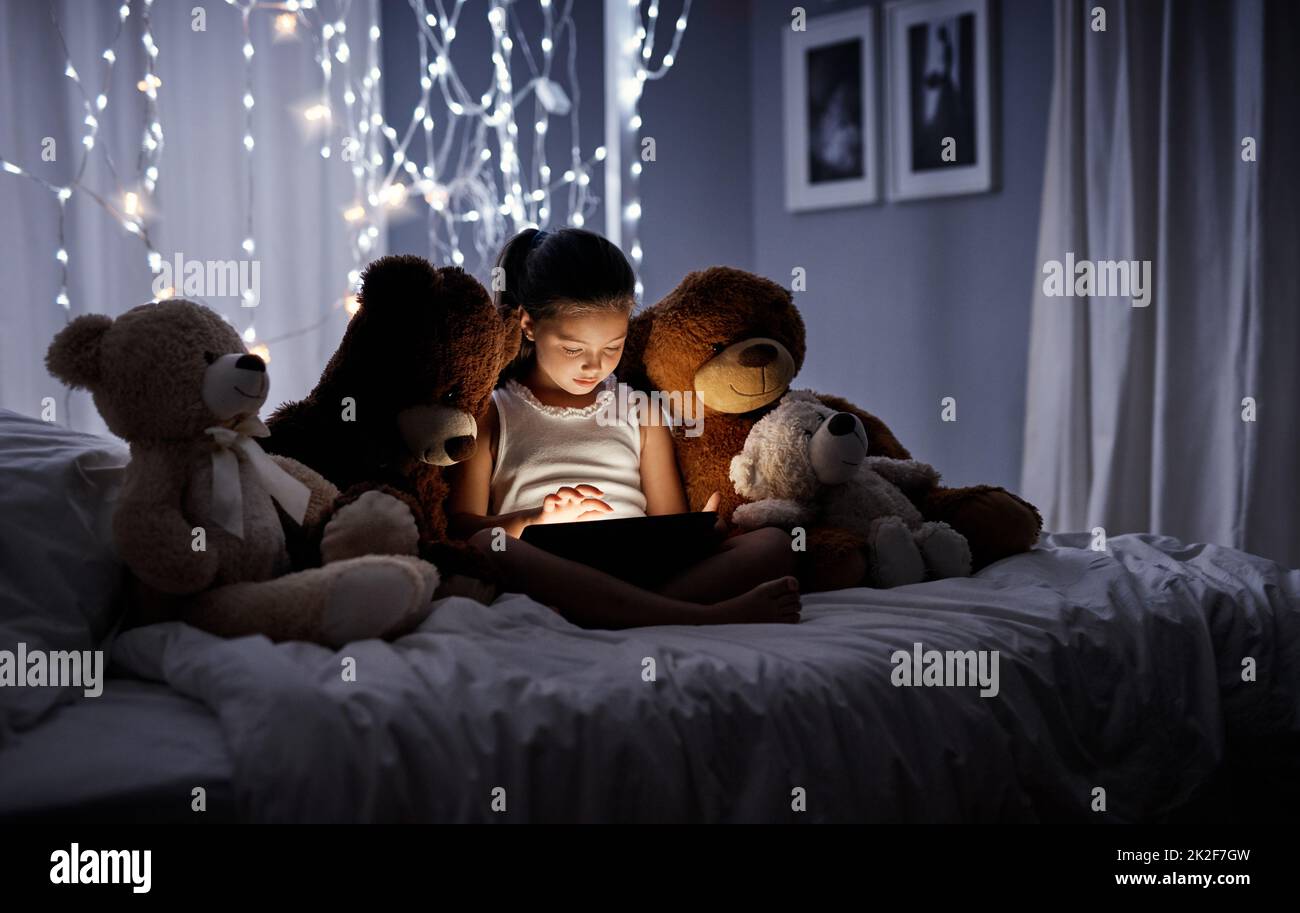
940,98
830,112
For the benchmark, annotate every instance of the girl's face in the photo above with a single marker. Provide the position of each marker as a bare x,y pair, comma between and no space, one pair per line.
576,353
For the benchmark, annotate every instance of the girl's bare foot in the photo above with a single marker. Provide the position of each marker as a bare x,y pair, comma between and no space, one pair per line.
771,602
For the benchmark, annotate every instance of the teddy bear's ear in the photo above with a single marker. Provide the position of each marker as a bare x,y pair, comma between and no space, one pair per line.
793,396
397,281
73,356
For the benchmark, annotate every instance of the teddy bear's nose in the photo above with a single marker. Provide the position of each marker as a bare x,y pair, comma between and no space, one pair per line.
758,355
460,448
250,363
840,423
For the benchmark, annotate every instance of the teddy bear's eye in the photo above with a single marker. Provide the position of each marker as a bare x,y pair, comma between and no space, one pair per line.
718,347
450,396
209,357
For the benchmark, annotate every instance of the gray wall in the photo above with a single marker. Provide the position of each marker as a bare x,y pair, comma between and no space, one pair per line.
699,205
910,302
906,303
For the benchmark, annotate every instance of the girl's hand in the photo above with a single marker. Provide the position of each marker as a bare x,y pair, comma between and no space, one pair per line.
712,504
571,503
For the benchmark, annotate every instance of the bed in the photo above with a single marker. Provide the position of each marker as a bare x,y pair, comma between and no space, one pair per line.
1120,696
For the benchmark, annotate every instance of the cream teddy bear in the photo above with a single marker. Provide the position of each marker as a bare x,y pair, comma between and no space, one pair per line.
805,464
202,516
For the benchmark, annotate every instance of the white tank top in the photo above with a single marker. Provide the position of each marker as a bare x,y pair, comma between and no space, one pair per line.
541,448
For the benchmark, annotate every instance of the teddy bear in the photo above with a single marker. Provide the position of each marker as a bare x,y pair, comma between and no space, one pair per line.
401,397
200,521
805,463
735,341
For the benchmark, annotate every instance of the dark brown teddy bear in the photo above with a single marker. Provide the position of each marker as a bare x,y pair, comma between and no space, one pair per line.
399,400
736,341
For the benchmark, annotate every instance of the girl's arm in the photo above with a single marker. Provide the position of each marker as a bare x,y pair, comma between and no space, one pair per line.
660,481
467,503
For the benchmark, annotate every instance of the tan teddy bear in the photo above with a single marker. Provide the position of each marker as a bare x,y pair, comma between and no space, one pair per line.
203,510
805,464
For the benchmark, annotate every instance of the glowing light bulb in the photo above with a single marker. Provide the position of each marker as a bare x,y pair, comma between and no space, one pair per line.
354,213
317,112
351,305
131,203
249,246
394,195
261,351
286,24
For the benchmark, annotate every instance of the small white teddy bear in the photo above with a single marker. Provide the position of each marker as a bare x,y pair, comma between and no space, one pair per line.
805,464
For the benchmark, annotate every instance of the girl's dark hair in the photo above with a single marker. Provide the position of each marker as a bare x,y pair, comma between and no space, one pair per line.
563,272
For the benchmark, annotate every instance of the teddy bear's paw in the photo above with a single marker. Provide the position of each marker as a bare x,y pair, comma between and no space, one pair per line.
946,551
892,555
377,596
375,523
748,516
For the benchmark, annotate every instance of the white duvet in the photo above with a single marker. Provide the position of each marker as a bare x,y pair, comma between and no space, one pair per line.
1118,671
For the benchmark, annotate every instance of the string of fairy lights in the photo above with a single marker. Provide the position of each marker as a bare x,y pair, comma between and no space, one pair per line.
472,183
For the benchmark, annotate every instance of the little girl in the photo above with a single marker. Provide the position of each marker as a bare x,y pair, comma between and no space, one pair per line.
547,455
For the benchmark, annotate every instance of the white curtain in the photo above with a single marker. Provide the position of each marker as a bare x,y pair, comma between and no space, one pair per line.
1134,418
302,241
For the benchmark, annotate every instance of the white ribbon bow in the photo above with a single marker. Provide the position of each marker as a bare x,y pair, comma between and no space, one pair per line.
228,494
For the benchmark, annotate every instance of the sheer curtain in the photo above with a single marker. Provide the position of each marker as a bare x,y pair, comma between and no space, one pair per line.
1135,419
302,243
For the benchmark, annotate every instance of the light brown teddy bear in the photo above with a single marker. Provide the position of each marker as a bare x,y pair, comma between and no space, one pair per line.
199,518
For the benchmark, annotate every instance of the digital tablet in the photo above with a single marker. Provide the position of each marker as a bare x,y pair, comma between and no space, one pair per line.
641,550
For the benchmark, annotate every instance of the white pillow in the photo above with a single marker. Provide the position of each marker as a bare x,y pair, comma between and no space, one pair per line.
60,577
